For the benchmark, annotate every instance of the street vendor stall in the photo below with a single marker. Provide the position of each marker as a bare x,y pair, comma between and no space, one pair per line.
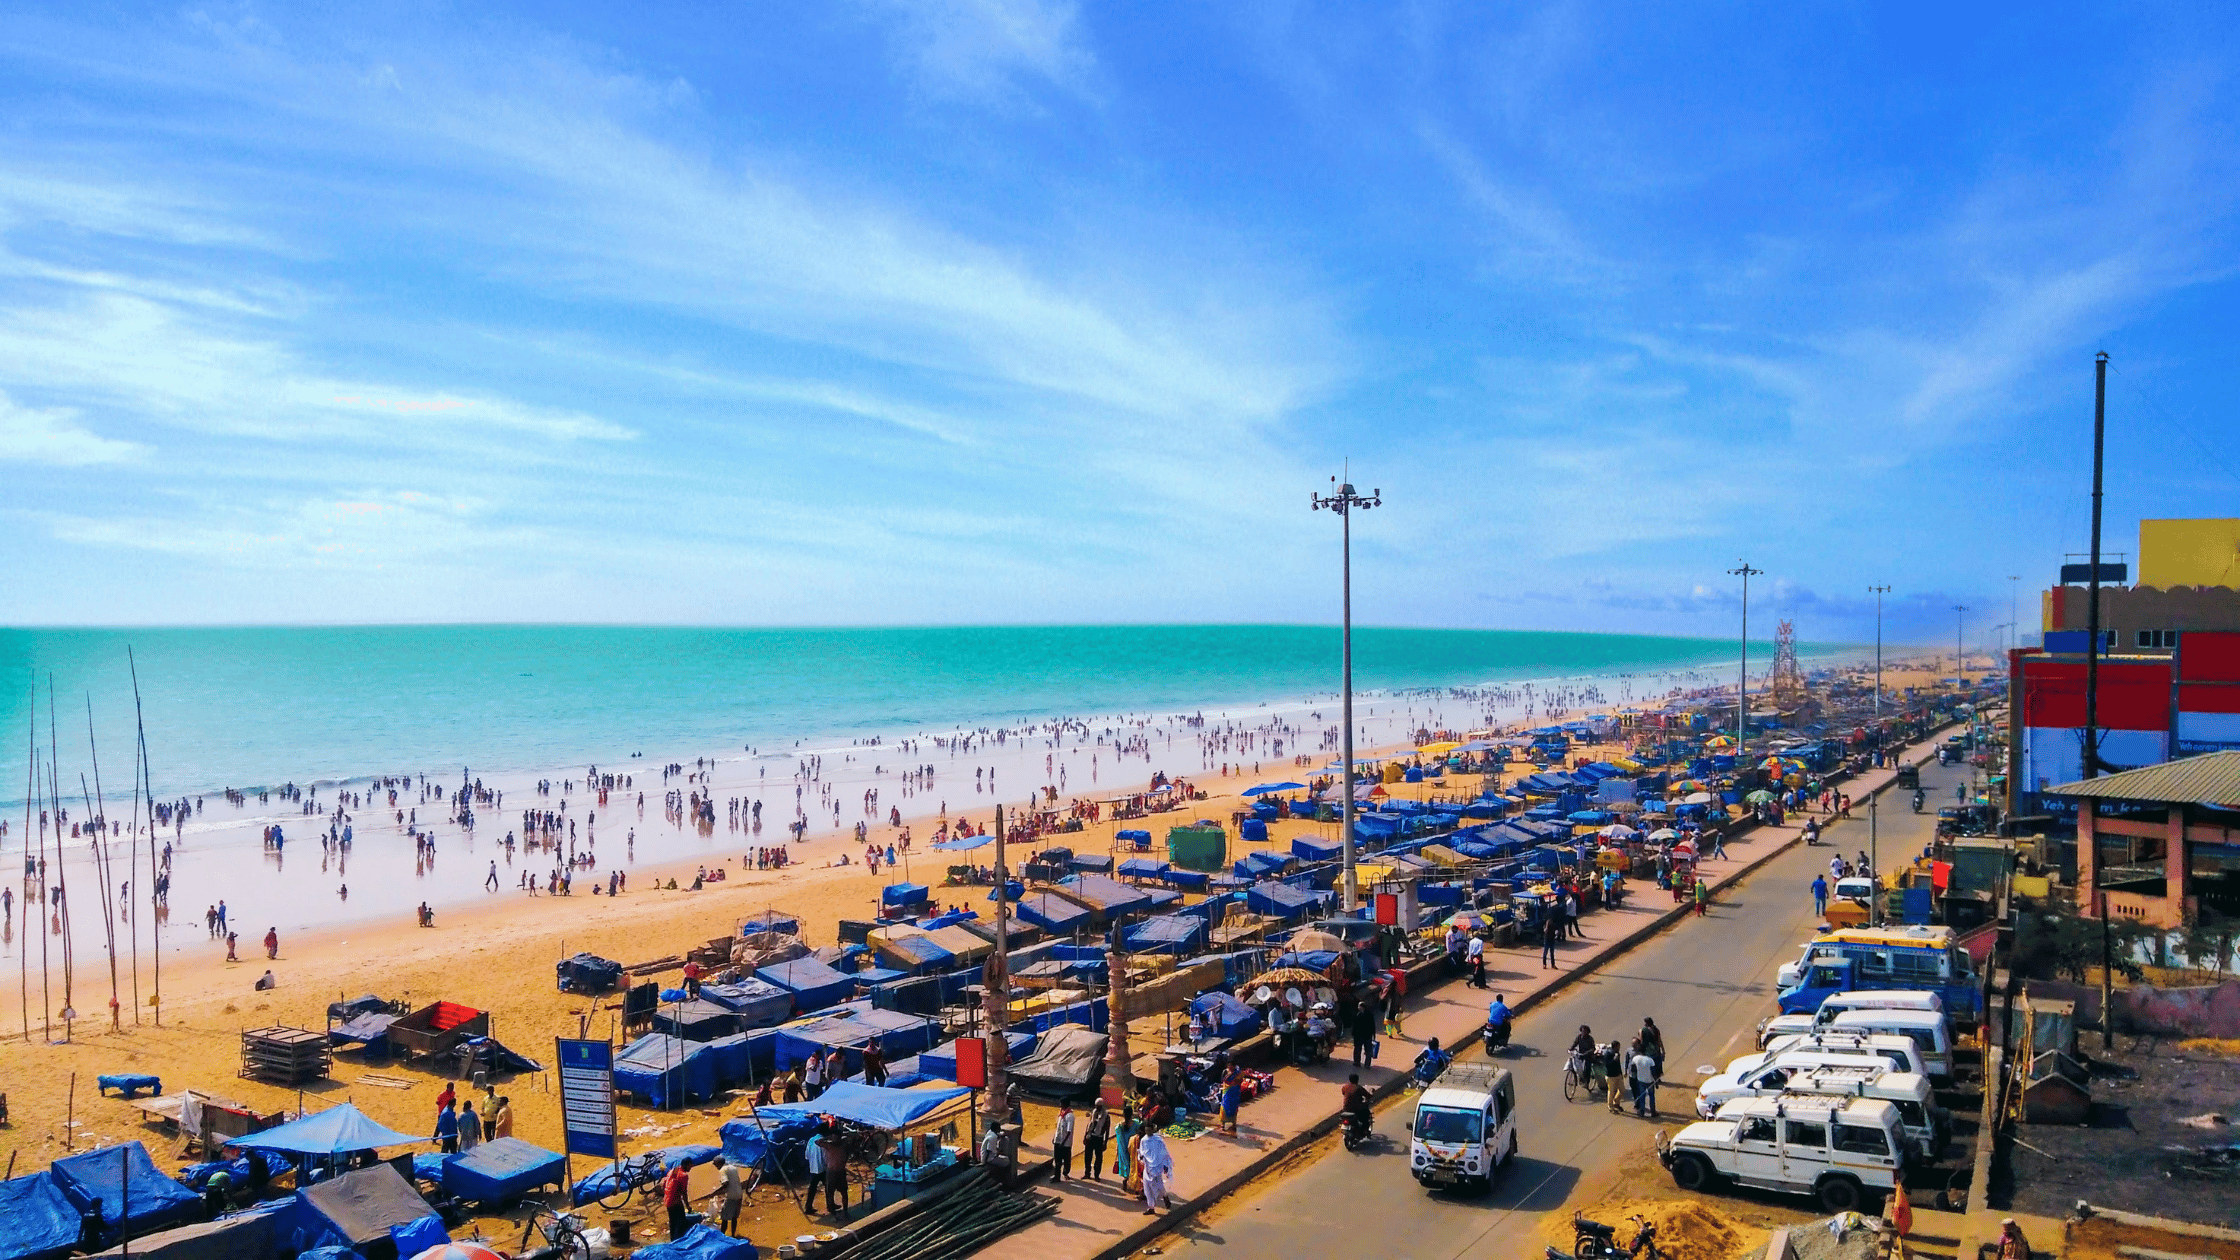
436,1028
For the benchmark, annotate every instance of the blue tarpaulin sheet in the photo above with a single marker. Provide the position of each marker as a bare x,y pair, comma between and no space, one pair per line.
1225,1016
696,1021
1145,868
336,1131
1193,880
1052,913
814,986
700,1243
665,1071
903,894
771,921
866,1104
1167,934
501,1170
1260,862
1317,850
1096,863
757,1002
941,1061
899,1034
37,1221
1094,1013
1280,900
154,1201
1107,895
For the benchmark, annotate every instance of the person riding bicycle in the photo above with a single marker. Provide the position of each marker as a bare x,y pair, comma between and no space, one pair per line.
1583,1045
1431,1062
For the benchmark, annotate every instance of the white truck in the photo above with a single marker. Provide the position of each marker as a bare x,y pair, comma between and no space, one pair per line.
1465,1127
1838,1150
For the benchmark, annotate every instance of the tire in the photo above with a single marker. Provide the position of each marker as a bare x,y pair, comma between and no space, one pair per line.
1570,1085
1838,1194
1693,1173
1585,1248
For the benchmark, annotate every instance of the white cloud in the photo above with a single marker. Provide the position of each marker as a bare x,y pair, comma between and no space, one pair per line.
994,51
34,435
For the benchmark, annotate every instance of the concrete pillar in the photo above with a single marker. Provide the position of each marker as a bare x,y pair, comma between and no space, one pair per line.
2177,867
2088,860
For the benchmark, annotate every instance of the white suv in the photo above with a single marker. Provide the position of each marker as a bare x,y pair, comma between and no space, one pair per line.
1841,1151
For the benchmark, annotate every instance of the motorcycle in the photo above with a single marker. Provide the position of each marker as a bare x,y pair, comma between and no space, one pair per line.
1920,798
1356,1126
1593,1240
1494,1036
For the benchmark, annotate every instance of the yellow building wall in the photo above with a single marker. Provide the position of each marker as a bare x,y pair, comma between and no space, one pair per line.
2189,553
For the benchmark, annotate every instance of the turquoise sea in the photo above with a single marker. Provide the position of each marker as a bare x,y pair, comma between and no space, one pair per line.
244,707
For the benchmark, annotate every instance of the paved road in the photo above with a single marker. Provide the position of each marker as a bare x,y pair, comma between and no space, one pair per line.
1706,981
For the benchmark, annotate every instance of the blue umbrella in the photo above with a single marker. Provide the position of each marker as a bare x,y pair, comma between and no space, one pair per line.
1262,789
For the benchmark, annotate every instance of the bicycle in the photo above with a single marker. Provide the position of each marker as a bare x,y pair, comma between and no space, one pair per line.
1574,1076
562,1233
632,1176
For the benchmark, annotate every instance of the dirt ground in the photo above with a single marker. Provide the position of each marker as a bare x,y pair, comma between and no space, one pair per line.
2139,1154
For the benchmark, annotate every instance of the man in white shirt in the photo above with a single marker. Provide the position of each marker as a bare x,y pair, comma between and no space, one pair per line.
1643,1071
1061,1145
1477,949
812,1074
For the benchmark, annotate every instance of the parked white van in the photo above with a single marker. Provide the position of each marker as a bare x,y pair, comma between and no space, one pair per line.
1756,1074
1930,1035
1925,1124
1837,1004
1903,1055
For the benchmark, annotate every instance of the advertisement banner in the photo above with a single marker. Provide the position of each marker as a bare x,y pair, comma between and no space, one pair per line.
586,1097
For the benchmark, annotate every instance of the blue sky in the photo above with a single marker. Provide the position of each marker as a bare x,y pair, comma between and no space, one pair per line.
1003,310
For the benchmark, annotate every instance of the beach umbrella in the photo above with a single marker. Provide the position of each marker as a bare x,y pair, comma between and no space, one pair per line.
1438,749
458,1251
1718,743
1759,797
1697,798
1478,745
1619,831
1262,789
1663,833
1688,785
338,1130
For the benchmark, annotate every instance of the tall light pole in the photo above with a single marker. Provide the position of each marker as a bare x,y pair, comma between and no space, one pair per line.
1879,592
1959,650
1345,503
1742,691
2014,611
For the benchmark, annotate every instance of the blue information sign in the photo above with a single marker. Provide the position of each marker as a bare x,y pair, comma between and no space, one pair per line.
587,1097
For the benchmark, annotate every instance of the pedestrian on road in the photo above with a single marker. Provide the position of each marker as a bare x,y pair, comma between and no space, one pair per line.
1454,949
1477,961
1364,1032
1703,895
1094,1135
1643,1071
1820,895
1651,1038
1547,947
1719,845
1061,1144
1158,1171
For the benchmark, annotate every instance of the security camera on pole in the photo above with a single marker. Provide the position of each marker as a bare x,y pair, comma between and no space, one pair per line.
1345,503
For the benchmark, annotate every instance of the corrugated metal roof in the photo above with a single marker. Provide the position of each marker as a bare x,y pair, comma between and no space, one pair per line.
2210,778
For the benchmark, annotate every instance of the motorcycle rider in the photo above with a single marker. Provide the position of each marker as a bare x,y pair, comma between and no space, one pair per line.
1497,1019
1354,1102
1919,798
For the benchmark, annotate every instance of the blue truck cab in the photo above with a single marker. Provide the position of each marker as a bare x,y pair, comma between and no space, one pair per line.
1923,957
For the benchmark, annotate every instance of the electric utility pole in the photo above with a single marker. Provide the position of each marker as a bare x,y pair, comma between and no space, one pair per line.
1879,592
1742,690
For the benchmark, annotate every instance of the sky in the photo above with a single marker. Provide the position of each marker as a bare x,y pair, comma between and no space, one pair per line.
989,311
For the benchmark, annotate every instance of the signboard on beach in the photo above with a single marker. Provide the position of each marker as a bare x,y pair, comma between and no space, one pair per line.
586,1097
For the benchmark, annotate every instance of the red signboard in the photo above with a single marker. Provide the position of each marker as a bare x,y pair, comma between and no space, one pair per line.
972,1062
2134,695
2208,656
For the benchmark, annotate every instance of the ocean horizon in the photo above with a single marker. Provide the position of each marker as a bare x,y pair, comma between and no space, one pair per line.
257,706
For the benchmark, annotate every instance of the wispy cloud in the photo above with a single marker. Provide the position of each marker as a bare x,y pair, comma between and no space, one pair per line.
1000,52
38,435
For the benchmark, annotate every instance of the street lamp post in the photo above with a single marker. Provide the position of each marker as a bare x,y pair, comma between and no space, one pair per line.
1742,688
1879,592
1959,648
1345,503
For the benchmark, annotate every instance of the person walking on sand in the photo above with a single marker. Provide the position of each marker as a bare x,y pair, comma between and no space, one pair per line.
492,882
674,1197
1061,1144
232,939
734,1195
447,1129
272,942
470,1127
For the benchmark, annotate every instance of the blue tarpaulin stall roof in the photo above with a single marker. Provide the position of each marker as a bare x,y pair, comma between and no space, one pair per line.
666,1071
1096,863
1145,868
1161,898
37,1221
866,1105
1102,893
903,894
757,1002
1166,934
1317,850
1134,835
701,1242
921,952
1195,881
771,921
876,976
1052,913
814,986
899,1034
696,1020
941,1061
501,1170
360,1208
1260,862
1225,1016
336,1131
1281,900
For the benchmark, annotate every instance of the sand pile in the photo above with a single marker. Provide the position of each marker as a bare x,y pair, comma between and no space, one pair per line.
1687,1229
